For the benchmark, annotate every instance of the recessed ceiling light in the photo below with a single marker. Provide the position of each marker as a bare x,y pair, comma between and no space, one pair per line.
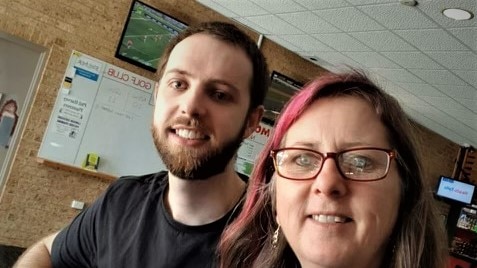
457,14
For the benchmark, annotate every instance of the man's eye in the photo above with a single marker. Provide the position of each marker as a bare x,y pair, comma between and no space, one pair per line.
221,96
176,84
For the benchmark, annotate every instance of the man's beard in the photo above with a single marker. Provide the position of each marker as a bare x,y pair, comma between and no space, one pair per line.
192,164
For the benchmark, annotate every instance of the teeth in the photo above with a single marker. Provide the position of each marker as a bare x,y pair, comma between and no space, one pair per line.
189,134
328,219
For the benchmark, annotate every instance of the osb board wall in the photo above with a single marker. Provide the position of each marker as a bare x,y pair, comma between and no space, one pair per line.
36,198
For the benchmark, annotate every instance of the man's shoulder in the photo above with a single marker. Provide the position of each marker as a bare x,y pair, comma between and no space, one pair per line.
146,178
131,184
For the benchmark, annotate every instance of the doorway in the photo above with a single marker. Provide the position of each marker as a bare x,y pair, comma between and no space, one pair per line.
21,66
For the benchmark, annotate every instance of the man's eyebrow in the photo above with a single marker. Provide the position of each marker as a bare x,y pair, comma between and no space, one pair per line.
216,81
177,70
223,82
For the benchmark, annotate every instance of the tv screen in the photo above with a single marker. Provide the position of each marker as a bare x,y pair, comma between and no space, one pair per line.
281,89
145,35
455,190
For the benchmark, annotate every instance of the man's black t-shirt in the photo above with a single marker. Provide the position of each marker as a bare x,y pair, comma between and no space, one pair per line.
128,226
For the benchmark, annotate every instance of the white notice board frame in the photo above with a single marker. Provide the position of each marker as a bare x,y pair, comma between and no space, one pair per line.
106,110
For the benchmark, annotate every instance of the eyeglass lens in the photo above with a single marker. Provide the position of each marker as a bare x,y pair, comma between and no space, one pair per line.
358,164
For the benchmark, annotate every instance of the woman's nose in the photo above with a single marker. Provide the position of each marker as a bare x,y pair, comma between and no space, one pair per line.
329,181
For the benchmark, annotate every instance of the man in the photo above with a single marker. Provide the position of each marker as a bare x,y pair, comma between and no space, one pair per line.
213,80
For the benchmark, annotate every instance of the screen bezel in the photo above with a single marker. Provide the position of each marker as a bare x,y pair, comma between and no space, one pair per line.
448,197
131,60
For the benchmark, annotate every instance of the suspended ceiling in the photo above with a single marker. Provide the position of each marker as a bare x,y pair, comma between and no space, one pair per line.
424,59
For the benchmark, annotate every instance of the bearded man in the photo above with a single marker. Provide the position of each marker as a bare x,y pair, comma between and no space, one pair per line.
213,81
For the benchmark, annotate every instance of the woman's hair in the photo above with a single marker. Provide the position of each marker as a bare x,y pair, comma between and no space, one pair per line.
230,34
418,238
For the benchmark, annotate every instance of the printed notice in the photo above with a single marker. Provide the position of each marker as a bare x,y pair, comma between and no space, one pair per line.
70,117
250,149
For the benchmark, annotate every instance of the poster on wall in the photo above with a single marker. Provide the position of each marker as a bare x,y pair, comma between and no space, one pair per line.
8,122
69,121
250,148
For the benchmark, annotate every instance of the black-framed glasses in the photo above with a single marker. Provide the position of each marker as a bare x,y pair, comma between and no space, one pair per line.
357,164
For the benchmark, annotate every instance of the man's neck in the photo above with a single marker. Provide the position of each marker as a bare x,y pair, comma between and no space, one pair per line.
198,202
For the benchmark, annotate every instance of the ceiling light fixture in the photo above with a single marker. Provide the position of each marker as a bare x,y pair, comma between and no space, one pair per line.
457,14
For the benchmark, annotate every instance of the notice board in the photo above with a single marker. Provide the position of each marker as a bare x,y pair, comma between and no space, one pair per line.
105,110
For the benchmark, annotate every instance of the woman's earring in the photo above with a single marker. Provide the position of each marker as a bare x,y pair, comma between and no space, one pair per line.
275,238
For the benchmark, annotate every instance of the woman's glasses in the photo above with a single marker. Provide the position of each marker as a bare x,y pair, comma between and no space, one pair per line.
358,164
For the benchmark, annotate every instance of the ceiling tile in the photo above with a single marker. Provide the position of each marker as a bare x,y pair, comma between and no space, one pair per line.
413,101
371,59
337,59
457,60
368,2
437,127
242,8
349,19
454,91
433,9
316,60
449,121
419,89
306,43
254,27
275,7
383,41
468,36
397,89
468,76
341,42
438,77
412,60
397,75
220,9
470,122
397,16
277,39
445,104
469,103
308,22
321,4
431,39
463,116
274,25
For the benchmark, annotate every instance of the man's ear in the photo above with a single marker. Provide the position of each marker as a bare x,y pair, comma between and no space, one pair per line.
253,120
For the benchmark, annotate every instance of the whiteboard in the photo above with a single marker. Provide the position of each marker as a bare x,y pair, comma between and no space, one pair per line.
106,110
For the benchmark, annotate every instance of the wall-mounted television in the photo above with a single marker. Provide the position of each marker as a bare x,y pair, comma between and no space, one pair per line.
145,35
455,190
281,89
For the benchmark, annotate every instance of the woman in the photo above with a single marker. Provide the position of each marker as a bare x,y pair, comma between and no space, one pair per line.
339,184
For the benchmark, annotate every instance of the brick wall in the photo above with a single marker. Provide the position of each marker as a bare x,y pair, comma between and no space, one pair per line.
36,198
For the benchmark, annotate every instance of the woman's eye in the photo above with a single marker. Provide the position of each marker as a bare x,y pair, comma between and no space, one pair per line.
303,160
361,163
